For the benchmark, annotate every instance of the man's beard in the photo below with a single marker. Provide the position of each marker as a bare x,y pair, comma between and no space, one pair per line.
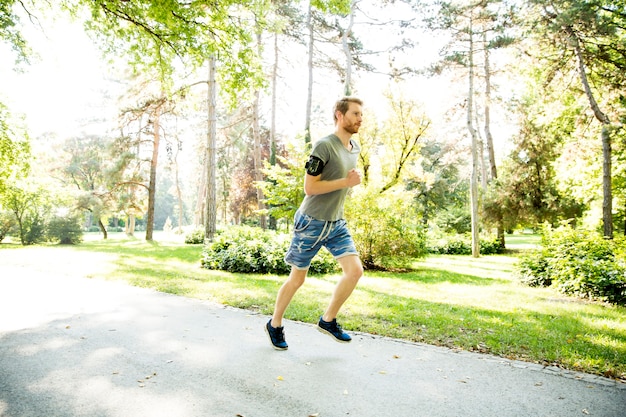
352,128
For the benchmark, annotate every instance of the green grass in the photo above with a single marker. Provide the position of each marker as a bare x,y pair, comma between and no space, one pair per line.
453,301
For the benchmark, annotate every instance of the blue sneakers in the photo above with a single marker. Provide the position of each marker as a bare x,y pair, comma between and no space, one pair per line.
331,328
276,335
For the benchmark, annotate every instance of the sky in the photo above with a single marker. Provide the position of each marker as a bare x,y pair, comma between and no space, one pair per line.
64,89
61,90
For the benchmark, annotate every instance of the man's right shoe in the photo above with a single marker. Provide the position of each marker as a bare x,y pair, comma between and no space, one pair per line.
276,335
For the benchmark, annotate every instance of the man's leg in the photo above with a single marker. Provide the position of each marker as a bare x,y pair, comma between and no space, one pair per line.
286,293
352,272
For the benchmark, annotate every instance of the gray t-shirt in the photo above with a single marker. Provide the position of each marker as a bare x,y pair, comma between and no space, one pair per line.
337,162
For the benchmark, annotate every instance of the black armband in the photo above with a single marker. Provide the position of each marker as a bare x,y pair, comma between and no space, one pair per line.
314,166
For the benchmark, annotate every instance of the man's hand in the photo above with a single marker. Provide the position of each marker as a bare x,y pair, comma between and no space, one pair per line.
353,178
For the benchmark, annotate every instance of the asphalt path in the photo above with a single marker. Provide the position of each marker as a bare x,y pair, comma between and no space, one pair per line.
71,345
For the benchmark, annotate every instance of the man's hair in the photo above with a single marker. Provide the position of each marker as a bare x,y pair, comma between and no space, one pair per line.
343,104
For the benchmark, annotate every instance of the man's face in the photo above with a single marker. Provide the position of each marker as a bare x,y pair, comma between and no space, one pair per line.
351,121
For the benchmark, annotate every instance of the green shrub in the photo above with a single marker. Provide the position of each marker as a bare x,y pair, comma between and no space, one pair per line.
195,237
247,249
33,228
65,230
579,263
533,270
457,244
384,231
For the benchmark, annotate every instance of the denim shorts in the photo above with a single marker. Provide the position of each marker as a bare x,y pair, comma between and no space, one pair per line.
309,235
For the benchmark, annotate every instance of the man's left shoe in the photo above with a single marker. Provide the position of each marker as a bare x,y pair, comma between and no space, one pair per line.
333,329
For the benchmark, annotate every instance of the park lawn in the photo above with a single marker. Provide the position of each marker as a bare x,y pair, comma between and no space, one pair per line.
460,302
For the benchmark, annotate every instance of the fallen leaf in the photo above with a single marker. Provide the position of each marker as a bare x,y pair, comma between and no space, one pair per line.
396,356
314,415
280,378
382,372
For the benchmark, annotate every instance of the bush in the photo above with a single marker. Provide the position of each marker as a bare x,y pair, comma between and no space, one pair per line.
462,245
65,230
195,237
246,249
579,263
384,234
533,270
33,228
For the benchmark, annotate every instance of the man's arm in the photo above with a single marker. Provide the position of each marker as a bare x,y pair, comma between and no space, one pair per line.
314,185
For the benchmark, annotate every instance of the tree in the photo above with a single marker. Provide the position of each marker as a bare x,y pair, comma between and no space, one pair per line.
527,193
8,28
27,203
474,26
14,150
85,167
590,38
461,20
439,189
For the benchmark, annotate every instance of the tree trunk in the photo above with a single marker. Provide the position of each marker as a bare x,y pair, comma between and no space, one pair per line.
472,131
211,199
272,224
103,229
179,196
607,189
202,187
309,98
257,155
347,89
607,192
489,136
153,170
130,225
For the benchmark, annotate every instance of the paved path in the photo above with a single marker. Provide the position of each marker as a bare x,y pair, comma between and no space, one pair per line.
73,346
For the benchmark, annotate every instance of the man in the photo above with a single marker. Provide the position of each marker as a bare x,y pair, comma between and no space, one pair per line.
330,173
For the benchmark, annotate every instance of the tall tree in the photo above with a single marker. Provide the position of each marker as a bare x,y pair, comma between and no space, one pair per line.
590,37
461,19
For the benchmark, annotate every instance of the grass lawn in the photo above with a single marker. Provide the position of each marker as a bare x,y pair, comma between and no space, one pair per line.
454,301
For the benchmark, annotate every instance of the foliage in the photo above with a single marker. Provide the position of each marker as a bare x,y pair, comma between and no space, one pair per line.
441,193
253,250
580,263
14,148
385,236
9,22
155,34
283,187
195,237
528,190
29,209
7,224
65,230
461,244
